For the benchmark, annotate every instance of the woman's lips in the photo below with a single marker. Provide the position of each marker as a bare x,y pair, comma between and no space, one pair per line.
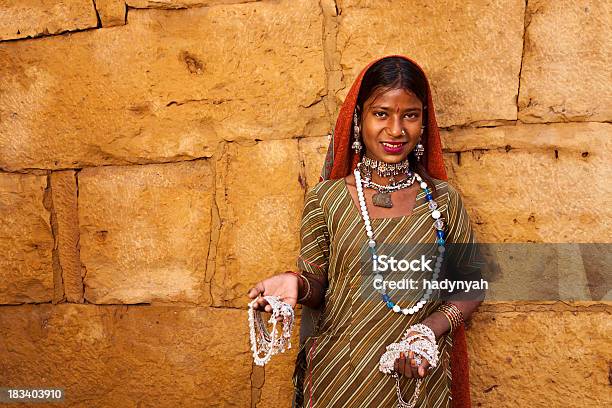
393,147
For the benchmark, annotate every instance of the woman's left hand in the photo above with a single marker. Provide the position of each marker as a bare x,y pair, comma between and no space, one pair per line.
406,366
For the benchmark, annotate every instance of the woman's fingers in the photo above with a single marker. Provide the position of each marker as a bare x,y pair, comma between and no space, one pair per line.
256,290
413,366
406,366
424,368
398,366
401,366
419,371
262,303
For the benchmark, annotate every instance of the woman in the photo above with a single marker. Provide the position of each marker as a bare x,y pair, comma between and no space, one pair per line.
386,130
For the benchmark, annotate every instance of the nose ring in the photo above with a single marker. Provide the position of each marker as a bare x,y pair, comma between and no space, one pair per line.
403,132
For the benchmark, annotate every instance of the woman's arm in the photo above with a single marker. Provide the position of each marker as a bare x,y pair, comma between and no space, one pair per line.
318,286
313,259
440,324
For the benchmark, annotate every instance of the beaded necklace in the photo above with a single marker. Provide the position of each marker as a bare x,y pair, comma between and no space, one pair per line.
440,241
262,341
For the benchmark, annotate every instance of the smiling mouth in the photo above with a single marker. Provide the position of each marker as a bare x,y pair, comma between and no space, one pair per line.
393,145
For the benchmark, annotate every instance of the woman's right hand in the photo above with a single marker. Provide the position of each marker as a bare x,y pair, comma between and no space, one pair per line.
284,285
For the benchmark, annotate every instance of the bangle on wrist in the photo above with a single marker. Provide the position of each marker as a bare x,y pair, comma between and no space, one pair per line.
450,323
308,290
452,313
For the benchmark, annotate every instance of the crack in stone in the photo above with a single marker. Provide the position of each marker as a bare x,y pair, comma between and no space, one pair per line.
39,36
215,228
97,14
164,5
526,21
222,151
331,60
302,178
59,289
212,101
258,379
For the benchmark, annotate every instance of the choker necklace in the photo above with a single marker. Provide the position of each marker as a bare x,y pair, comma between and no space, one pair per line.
440,241
383,196
385,169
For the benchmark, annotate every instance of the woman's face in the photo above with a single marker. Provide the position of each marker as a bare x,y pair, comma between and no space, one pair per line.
384,117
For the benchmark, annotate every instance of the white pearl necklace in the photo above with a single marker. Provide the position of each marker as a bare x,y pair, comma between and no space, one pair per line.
270,344
438,224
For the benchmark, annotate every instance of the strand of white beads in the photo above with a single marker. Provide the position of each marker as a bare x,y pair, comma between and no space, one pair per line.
264,342
440,241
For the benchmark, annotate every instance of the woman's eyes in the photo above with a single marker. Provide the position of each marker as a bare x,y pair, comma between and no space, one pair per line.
382,114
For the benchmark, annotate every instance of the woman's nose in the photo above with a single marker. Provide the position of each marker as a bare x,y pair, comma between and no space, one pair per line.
395,127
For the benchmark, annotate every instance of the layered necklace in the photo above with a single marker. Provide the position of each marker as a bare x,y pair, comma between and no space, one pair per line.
385,170
438,224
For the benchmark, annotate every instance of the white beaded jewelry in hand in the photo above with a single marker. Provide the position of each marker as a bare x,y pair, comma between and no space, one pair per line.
263,341
423,344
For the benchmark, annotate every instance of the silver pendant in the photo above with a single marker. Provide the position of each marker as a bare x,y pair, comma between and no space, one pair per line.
382,200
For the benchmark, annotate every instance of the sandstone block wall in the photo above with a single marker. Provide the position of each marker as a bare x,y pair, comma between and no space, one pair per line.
154,157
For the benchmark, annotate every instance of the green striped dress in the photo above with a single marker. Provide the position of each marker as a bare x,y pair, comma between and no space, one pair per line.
338,365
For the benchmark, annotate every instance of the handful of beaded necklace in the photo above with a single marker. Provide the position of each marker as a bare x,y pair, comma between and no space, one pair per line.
265,344
423,345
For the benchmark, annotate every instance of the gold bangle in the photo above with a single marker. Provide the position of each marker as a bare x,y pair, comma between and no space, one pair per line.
450,323
308,290
456,311
452,313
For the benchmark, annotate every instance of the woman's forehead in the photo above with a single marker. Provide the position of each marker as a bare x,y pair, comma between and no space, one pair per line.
394,97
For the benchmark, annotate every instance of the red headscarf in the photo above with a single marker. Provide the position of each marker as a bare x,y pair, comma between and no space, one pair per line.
341,160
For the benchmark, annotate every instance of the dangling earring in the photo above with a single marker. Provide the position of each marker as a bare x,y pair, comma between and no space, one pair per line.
419,149
356,143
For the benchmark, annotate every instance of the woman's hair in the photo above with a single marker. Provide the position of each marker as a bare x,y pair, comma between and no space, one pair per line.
397,73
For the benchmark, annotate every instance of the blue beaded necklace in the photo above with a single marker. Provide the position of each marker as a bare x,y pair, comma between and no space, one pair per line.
440,242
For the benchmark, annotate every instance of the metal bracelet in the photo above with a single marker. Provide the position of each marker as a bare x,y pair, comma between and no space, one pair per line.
308,290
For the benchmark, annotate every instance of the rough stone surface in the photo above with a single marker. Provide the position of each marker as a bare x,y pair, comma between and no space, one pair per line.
129,356
179,4
65,219
111,12
35,18
567,62
26,241
260,222
277,389
168,86
542,359
145,232
535,183
312,150
470,50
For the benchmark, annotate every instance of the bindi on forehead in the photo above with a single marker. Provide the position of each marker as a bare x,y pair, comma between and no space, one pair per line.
395,100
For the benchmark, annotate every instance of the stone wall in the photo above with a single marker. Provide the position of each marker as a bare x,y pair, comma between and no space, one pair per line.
154,157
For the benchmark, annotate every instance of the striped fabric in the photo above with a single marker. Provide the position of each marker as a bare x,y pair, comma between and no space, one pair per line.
338,365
